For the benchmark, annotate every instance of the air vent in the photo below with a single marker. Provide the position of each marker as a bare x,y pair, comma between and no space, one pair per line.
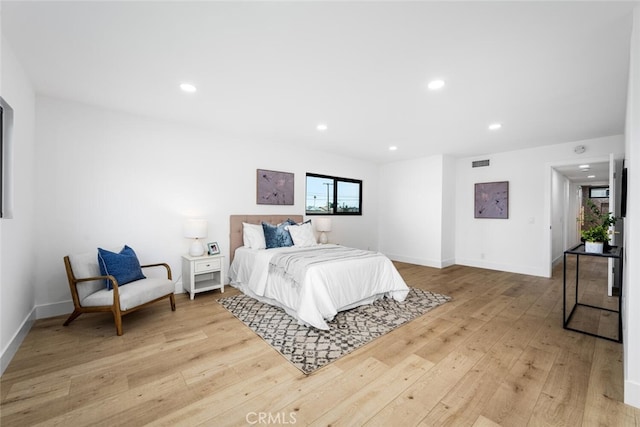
480,163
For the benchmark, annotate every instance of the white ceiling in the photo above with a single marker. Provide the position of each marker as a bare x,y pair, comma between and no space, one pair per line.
598,171
550,72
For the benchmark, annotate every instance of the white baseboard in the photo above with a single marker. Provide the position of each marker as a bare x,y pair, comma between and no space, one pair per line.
632,393
470,263
41,312
54,309
419,261
66,307
178,288
502,267
14,344
448,262
558,260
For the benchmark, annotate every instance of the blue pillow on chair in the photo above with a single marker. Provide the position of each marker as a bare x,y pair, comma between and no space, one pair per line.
124,266
277,236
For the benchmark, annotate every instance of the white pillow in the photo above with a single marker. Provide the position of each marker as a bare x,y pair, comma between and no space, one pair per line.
253,236
302,234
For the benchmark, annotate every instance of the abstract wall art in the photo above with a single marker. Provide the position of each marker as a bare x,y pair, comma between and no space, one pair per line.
492,200
274,188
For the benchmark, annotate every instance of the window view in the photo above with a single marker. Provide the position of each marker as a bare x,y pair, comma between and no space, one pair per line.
348,199
328,195
598,192
319,194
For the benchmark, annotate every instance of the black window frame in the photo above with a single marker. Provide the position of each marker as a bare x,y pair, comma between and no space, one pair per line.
334,202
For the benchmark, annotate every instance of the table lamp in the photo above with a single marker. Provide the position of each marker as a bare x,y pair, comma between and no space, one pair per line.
323,225
195,229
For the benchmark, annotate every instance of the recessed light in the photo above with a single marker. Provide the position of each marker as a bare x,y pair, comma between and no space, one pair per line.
584,166
393,148
435,84
322,127
591,176
188,87
495,126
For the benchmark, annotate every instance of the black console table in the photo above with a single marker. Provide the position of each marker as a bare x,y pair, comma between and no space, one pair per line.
614,252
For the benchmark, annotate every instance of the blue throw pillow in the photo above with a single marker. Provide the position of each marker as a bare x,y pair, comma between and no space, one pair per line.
277,236
124,266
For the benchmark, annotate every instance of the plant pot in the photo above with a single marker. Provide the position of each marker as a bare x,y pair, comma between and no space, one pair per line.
593,247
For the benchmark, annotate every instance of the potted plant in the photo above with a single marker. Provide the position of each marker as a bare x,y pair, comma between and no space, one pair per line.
597,224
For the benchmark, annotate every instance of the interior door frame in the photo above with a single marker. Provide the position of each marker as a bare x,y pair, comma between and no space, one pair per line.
548,236
613,197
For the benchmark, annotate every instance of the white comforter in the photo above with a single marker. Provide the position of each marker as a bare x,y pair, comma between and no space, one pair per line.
325,289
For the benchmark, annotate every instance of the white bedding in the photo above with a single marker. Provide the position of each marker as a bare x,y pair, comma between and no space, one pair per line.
325,289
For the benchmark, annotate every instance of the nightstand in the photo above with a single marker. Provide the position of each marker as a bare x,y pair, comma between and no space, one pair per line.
202,273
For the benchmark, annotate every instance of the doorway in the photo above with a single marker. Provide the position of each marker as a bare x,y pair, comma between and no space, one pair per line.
589,179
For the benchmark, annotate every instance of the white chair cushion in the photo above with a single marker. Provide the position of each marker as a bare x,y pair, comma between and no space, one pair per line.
132,294
86,265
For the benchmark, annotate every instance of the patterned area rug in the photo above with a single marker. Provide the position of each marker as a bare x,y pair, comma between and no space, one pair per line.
309,348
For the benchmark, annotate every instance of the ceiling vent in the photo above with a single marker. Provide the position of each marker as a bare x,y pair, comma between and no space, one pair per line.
480,163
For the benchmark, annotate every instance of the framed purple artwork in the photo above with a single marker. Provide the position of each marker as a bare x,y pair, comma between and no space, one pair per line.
274,188
492,200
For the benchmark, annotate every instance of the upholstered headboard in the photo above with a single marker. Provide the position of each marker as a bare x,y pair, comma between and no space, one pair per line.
235,229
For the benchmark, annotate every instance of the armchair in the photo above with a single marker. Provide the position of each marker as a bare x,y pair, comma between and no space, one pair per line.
90,292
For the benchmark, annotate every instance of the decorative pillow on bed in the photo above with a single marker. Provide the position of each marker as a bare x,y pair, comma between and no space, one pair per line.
124,266
253,236
302,234
277,236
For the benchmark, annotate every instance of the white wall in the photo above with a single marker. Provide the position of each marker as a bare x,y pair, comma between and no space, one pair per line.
559,195
631,292
107,178
411,205
515,244
448,211
17,253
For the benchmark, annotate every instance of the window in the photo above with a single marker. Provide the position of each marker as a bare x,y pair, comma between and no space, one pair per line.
329,195
598,192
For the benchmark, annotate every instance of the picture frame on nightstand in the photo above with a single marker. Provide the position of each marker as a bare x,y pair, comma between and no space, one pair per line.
213,248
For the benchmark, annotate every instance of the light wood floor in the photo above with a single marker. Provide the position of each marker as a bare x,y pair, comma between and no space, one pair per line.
496,355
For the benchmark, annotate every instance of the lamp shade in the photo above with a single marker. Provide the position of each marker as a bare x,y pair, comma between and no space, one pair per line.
195,228
323,224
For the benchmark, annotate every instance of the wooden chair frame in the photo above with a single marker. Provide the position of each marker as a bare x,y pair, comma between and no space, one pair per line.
115,307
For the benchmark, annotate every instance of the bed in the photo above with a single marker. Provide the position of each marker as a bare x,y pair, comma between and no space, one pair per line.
311,283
